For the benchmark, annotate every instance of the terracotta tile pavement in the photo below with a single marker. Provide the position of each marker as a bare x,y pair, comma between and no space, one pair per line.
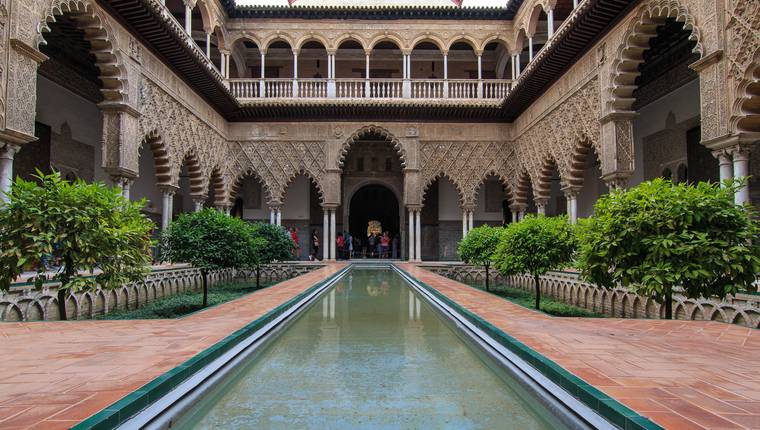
680,374
55,374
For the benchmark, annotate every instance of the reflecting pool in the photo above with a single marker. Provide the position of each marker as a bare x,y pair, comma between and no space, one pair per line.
369,354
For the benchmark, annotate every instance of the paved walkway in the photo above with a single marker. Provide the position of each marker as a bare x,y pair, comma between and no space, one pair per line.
680,374
55,374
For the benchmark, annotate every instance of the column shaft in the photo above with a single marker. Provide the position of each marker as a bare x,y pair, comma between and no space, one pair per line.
464,223
411,235
741,170
470,220
7,153
189,20
166,209
530,49
418,234
208,45
325,234
332,234
271,216
278,214
550,22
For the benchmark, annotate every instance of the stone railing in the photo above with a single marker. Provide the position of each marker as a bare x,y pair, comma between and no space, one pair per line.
25,303
375,88
742,309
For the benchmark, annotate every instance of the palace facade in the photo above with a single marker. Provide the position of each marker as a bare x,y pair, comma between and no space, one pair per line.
427,117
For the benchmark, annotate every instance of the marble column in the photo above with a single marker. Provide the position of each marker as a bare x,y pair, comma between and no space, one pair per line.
464,223
278,216
412,236
7,153
325,234
530,49
418,235
332,234
725,166
470,220
208,45
188,19
167,205
550,22
271,215
571,194
541,206
741,170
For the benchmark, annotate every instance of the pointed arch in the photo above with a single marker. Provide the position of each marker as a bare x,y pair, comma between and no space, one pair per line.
234,185
636,40
217,183
313,179
98,33
443,175
369,131
504,180
542,187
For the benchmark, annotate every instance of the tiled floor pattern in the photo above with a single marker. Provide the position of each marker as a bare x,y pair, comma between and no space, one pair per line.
55,374
681,374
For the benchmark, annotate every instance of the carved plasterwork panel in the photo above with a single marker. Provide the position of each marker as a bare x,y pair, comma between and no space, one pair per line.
466,164
557,134
743,52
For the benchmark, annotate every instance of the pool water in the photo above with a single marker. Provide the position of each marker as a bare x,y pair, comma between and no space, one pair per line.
369,354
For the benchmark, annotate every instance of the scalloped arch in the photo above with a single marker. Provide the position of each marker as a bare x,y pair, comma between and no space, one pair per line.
443,175
636,40
99,34
367,131
313,179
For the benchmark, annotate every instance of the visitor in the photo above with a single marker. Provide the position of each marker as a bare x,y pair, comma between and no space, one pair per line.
395,246
378,245
339,246
357,245
371,245
385,242
296,248
349,245
314,246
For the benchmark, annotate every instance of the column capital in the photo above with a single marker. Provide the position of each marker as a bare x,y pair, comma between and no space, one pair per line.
8,150
414,208
329,207
168,189
406,52
541,201
617,180
730,140
468,208
331,51
518,207
739,152
572,190
119,173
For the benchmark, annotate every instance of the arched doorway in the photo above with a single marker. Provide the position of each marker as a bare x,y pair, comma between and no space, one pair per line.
374,209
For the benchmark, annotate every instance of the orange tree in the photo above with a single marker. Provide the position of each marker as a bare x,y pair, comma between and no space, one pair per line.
86,227
478,247
660,235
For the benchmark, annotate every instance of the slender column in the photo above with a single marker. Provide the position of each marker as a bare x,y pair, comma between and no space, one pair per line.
366,75
167,203
575,4
406,86
446,75
295,73
271,216
227,66
741,170
411,234
550,22
725,166
517,65
7,153
325,234
530,49
541,206
188,20
480,75
470,220
262,87
464,223
514,69
418,235
514,216
571,194
208,45
332,234
278,216
330,75
124,183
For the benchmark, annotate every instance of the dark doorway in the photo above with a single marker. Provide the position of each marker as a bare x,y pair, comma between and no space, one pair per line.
373,203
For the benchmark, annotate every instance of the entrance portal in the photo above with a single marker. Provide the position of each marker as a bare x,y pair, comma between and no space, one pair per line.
374,208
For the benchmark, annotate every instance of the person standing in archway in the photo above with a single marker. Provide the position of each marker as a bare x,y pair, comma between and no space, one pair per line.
385,242
314,246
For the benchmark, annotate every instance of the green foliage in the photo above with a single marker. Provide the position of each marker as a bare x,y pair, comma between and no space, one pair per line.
269,243
209,240
535,245
87,227
659,235
478,247
185,303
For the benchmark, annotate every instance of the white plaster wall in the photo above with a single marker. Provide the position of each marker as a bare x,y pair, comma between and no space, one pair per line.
57,105
683,102
448,201
480,210
296,204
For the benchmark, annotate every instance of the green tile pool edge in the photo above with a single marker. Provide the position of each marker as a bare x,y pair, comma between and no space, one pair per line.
614,411
134,402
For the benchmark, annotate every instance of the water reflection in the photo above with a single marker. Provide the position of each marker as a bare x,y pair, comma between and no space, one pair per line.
375,356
